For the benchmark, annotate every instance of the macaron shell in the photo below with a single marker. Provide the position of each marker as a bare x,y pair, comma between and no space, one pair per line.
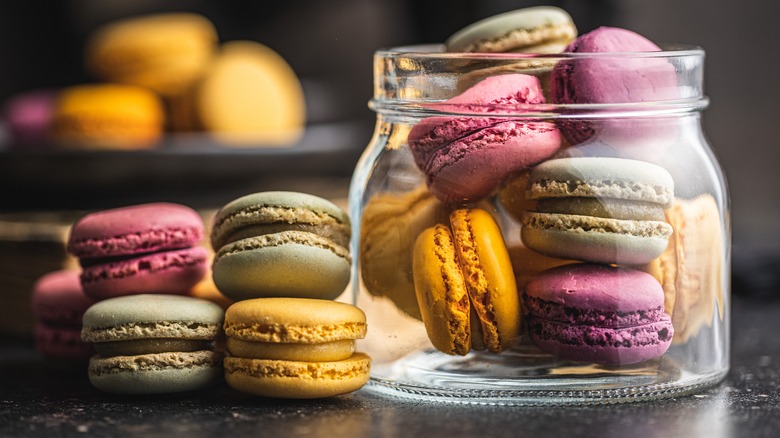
441,291
691,268
605,346
591,80
431,133
472,167
156,373
315,352
152,316
251,96
520,30
107,116
291,264
57,297
294,320
168,272
61,342
487,270
390,224
166,52
599,287
297,380
136,229
594,239
605,177
271,208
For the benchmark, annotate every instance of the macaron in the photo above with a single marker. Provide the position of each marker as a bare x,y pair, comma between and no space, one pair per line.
58,304
465,284
467,158
28,118
250,96
590,80
150,344
281,244
690,269
166,52
139,249
390,223
107,116
598,313
539,29
295,348
599,209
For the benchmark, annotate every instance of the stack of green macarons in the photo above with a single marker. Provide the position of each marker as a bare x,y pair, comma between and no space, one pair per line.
284,258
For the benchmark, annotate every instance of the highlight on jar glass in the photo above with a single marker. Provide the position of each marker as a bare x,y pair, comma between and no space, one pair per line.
542,228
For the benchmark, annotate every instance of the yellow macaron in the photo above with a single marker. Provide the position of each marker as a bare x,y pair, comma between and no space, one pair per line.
465,284
165,52
250,96
295,347
108,116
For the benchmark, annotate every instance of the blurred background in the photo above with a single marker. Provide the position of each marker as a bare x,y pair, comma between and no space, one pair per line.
329,47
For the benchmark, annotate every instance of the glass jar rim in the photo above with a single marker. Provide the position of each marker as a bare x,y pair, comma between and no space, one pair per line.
399,68
437,51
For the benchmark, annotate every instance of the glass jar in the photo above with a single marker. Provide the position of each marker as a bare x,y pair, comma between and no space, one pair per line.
581,317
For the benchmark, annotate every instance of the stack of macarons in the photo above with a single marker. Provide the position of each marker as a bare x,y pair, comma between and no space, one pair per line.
588,196
162,73
284,258
137,263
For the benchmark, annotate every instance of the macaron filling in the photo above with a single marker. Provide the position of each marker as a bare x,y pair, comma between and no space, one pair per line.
93,249
548,310
307,352
337,232
283,238
603,208
136,347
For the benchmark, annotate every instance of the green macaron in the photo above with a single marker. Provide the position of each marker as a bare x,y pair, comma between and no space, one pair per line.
281,244
150,344
599,209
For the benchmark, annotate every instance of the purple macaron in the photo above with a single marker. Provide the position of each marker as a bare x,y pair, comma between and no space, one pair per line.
625,78
58,304
140,249
467,158
598,313
28,118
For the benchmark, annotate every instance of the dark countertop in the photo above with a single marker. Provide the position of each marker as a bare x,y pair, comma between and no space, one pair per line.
40,399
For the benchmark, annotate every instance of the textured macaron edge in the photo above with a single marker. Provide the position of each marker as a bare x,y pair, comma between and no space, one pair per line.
156,373
515,29
274,207
601,247
293,379
606,177
295,320
139,316
136,229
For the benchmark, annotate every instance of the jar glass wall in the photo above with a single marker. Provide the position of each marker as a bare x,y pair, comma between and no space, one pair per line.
512,249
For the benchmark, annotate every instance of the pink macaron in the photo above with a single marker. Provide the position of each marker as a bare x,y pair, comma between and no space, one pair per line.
598,313
140,249
28,118
628,77
58,304
468,158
